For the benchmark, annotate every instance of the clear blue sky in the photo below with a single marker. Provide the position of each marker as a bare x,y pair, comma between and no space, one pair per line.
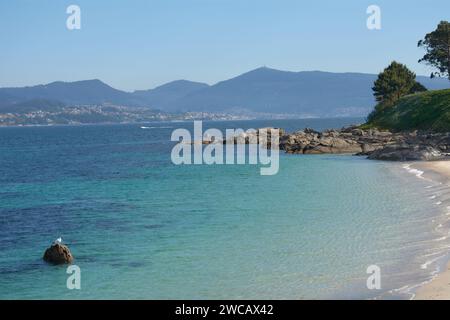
139,44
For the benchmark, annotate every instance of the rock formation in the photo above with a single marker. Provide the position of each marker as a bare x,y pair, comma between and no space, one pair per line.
376,144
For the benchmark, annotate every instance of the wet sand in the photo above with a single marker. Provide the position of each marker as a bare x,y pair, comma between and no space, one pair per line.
439,287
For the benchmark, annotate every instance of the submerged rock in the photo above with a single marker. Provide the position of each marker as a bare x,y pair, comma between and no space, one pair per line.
58,253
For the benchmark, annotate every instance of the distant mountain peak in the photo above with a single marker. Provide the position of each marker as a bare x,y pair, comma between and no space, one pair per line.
182,82
264,69
165,95
98,81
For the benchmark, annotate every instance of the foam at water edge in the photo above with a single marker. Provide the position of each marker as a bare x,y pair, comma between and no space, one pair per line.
411,289
417,172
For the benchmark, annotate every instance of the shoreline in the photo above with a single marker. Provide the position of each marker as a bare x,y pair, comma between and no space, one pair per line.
438,288
178,120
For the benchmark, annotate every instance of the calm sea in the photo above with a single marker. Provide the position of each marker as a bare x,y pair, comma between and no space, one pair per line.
141,227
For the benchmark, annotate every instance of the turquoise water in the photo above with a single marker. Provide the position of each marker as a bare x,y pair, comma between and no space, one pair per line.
141,227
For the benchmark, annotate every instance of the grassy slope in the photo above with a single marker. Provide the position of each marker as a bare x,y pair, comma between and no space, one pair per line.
423,111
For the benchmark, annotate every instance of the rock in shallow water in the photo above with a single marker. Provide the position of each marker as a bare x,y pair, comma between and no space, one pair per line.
58,254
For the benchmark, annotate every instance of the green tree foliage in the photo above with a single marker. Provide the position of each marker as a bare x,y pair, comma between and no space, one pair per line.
437,46
418,87
394,82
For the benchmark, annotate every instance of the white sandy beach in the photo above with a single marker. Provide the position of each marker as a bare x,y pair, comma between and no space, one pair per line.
439,287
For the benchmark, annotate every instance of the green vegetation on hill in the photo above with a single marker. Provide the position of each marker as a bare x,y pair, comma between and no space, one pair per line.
422,111
402,103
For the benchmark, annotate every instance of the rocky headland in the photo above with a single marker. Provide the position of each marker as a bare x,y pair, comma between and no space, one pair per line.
374,143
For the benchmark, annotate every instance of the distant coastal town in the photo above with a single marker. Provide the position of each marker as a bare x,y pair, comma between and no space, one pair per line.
92,114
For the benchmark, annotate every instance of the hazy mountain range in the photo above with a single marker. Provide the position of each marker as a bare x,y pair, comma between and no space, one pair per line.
263,90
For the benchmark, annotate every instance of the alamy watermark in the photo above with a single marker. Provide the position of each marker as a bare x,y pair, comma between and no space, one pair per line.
374,280
236,147
74,280
374,20
73,21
